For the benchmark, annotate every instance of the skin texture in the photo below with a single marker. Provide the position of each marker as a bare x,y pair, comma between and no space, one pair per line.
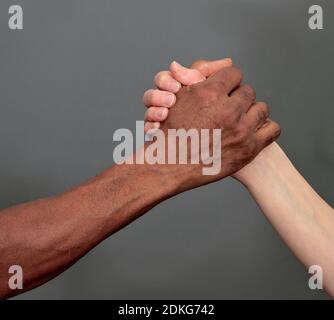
222,102
199,71
170,82
301,217
47,236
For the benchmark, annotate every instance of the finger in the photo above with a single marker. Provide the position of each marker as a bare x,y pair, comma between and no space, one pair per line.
229,78
208,68
164,81
159,98
156,114
244,96
269,132
258,114
151,126
185,75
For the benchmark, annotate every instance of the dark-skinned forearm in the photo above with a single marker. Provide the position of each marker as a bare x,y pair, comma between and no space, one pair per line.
47,236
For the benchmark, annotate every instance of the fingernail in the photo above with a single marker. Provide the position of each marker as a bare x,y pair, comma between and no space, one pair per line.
176,64
228,60
162,113
174,86
168,100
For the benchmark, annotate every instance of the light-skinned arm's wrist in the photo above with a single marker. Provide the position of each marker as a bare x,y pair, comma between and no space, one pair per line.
301,217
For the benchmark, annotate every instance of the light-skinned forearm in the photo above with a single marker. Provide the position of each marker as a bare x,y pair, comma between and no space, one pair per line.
47,236
302,218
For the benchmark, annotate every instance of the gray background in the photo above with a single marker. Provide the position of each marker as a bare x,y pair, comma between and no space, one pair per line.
77,72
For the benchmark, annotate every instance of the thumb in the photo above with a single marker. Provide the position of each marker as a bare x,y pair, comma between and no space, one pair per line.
208,68
185,75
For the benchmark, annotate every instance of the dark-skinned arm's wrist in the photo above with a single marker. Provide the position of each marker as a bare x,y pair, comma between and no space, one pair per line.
133,189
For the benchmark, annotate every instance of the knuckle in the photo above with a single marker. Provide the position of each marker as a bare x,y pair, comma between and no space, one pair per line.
276,130
262,111
147,114
160,78
146,96
266,108
237,72
157,77
248,92
229,76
